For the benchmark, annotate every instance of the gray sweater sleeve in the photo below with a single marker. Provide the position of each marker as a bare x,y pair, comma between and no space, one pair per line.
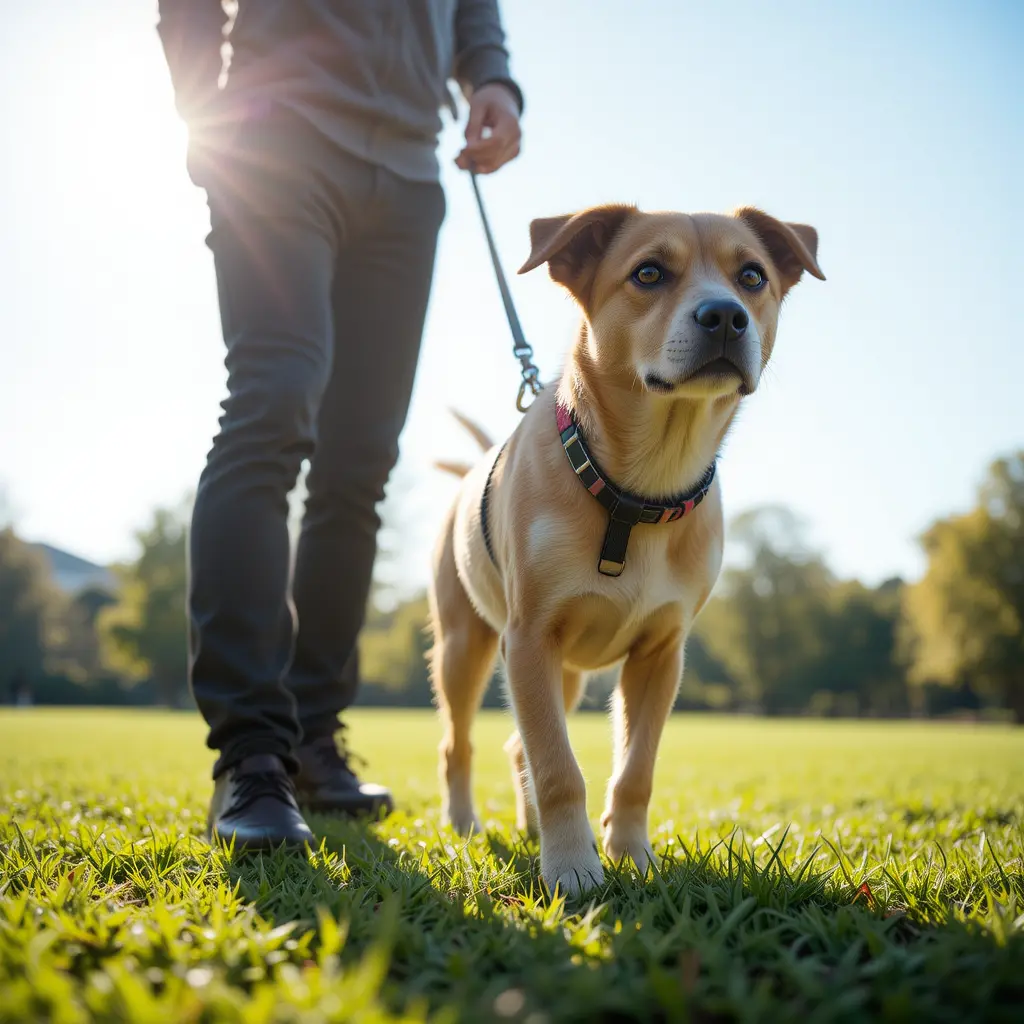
191,33
480,53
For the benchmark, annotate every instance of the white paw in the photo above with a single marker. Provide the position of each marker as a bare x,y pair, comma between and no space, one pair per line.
573,876
569,860
631,843
462,819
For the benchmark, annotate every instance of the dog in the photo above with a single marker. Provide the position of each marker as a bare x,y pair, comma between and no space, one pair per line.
592,538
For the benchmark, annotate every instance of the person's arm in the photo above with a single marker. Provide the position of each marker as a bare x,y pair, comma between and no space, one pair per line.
480,53
495,100
192,33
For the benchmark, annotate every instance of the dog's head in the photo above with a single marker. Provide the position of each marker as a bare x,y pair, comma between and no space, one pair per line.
686,305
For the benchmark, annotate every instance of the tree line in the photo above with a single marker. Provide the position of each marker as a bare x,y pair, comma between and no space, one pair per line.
781,635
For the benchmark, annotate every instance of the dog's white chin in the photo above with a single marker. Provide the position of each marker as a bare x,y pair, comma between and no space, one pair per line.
720,386
724,387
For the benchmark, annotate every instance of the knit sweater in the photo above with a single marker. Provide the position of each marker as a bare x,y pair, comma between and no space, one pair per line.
371,75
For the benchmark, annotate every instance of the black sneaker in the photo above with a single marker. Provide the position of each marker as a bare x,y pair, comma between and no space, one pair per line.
254,804
327,784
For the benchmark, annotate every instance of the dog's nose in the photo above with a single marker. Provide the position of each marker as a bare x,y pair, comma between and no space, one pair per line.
725,320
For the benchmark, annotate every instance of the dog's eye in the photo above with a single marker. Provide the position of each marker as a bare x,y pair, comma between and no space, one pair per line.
752,277
648,274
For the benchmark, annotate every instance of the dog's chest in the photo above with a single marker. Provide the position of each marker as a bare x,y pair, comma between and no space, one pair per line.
603,616
652,576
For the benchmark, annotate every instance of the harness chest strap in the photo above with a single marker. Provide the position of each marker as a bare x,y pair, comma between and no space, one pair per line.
624,510
485,501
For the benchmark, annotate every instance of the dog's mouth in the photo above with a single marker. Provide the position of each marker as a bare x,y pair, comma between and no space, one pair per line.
720,371
656,383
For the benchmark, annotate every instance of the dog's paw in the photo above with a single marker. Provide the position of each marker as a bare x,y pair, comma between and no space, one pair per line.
574,875
568,857
633,845
624,835
468,826
462,820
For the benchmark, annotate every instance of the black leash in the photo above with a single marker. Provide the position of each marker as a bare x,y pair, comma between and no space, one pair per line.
521,348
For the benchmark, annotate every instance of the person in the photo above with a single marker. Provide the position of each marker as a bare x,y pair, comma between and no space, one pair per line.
318,155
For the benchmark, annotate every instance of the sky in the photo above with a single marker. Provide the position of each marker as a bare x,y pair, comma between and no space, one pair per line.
896,129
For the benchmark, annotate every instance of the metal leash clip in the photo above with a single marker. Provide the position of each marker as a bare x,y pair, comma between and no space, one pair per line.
531,377
531,384
521,348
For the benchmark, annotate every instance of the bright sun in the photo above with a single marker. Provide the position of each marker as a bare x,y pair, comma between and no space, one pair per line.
110,124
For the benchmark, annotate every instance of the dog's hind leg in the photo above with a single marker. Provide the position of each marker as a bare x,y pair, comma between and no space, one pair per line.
526,808
461,662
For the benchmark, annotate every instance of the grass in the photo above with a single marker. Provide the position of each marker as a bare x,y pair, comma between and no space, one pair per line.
821,871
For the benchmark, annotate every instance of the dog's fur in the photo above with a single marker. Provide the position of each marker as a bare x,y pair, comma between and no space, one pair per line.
654,412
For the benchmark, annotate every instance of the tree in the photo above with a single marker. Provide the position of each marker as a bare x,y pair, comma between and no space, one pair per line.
77,653
144,635
859,670
964,620
30,609
707,682
766,628
392,649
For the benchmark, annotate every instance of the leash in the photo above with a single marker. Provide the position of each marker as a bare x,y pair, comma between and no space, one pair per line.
521,348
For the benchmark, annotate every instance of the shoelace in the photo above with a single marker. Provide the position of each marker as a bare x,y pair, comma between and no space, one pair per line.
253,786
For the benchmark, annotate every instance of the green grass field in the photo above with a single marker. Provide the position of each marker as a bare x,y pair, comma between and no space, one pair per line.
820,871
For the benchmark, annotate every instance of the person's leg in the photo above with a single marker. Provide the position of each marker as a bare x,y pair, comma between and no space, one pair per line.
380,301
273,242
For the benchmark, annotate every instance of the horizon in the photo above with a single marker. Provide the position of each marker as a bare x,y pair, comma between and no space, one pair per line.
888,394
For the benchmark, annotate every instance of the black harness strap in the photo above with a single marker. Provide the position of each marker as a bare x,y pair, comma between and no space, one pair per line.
624,510
485,500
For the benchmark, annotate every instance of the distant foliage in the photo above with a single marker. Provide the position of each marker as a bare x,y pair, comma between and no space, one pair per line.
786,638
30,615
781,634
965,618
144,635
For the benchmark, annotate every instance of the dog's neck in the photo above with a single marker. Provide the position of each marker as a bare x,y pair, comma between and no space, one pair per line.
649,445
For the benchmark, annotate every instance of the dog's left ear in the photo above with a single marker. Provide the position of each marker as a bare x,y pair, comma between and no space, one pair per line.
572,245
792,247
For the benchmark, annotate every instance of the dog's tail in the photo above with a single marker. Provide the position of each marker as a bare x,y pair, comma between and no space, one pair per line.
462,468
455,468
486,444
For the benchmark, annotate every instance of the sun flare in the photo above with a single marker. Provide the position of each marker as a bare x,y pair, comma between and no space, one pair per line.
111,130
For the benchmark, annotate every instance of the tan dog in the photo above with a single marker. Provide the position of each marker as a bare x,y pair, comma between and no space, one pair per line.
594,536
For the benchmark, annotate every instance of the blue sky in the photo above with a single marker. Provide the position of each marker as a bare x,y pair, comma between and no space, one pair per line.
895,128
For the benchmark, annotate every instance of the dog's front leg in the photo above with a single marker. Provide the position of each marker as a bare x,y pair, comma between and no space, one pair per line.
641,705
568,850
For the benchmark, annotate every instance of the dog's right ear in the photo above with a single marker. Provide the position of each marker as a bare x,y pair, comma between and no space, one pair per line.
572,245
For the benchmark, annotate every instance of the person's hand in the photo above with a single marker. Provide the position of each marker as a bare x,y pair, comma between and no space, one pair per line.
492,134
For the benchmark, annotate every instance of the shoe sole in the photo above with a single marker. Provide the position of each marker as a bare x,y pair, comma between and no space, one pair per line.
377,810
267,844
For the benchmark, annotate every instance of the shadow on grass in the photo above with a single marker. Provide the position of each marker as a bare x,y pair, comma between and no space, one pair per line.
715,935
